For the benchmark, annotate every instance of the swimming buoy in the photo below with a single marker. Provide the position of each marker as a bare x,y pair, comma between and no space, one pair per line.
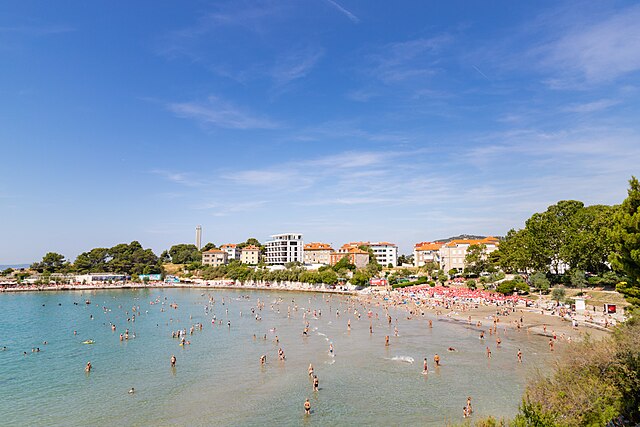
88,342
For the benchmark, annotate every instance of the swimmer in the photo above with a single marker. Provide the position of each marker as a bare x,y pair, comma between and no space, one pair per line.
132,390
386,340
315,383
87,368
349,325
430,323
307,407
173,361
488,353
519,356
425,368
498,341
436,359
451,349
550,344
310,370
263,359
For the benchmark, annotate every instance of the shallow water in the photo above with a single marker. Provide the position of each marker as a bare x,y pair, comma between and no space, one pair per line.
218,379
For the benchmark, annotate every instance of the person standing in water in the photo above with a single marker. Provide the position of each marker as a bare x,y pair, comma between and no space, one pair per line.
87,368
315,383
307,407
425,368
519,356
386,341
436,360
173,361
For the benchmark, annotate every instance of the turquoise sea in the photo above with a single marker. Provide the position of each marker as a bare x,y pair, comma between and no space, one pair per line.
218,379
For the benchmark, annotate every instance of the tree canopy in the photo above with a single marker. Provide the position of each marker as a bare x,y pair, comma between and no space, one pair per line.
184,253
626,238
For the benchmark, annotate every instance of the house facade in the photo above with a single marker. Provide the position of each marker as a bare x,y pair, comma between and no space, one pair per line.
426,252
214,257
232,251
317,253
356,256
453,253
250,255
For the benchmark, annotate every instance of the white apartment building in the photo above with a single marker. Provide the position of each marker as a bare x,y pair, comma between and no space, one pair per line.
386,253
284,248
453,253
232,251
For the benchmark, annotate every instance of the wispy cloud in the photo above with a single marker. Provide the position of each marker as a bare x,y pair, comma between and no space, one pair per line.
409,59
220,209
591,107
28,30
182,178
596,52
295,65
344,11
217,112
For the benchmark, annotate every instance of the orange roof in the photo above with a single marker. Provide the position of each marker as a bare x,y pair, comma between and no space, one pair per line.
383,244
428,246
228,245
314,246
486,241
214,251
250,248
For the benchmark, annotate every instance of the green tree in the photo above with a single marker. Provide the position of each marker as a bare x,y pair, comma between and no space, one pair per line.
52,262
93,261
558,293
539,281
626,238
471,284
429,267
184,253
7,271
207,247
343,264
589,244
476,259
578,279
360,278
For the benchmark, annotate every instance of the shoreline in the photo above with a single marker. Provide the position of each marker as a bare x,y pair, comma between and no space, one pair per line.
62,288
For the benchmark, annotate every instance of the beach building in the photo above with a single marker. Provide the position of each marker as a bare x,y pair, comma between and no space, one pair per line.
214,257
425,252
250,255
386,253
232,251
356,256
453,253
317,253
284,248
93,278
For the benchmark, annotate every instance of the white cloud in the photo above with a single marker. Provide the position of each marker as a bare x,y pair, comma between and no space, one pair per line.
591,107
294,66
596,52
220,113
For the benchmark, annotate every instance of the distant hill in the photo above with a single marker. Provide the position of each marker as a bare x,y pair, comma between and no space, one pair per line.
14,266
465,237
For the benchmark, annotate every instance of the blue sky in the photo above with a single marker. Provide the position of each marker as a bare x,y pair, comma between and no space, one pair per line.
344,120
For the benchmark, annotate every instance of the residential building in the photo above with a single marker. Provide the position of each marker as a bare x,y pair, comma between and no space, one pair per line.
214,257
317,253
284,248
386,253
356,256
232,251
250,255
425,252
453,253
